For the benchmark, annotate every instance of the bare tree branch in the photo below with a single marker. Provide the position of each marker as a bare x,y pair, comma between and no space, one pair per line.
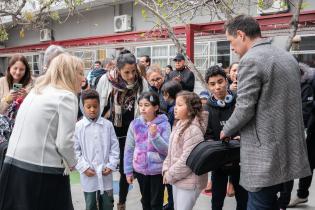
294,24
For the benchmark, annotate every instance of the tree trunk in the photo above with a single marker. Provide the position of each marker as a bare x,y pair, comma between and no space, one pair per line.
178,45
294,24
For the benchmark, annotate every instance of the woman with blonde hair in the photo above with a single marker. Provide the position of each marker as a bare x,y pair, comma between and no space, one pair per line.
40,152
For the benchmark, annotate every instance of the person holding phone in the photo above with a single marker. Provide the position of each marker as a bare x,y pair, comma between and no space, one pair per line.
17,82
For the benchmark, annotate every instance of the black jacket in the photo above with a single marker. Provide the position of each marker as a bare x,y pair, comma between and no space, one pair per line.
187,78
217,118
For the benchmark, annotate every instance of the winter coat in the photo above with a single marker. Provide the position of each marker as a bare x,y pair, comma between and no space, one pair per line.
187,78
308,79
163,104
217,118
268,114
175,169
307,93
104,88
145,153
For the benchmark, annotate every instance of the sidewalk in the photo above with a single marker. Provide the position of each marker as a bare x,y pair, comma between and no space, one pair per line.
203,202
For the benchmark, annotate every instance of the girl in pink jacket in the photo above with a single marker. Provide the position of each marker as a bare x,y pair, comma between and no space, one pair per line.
187,133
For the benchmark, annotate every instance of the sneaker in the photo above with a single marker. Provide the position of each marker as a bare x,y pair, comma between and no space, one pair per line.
295,201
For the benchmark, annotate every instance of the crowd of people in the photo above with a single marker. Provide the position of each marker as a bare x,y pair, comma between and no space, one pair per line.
144,121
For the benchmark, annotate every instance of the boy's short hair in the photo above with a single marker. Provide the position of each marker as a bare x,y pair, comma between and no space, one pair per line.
90,94
98,62
214,71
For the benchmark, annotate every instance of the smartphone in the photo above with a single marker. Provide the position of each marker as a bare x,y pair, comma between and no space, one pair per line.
17,86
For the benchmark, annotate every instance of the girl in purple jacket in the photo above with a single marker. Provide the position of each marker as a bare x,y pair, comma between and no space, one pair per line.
146,148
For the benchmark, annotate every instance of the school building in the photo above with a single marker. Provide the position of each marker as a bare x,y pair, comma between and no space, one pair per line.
104,27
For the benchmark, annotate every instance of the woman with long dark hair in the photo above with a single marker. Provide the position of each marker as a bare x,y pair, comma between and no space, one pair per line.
17,82
119,90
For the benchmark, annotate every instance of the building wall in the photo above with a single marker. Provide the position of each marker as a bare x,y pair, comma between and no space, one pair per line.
99,21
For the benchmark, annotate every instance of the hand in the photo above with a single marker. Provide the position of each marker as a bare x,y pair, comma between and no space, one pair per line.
177,78
22,92
237,138
130,179
153,129
223,137
13,96
164,179
106,171
90,172
233,86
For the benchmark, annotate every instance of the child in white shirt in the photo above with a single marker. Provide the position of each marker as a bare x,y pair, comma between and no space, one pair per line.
97,151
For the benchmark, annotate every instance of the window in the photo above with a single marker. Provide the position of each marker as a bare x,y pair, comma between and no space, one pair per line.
33,61
161,55
305,50
88,57
212,53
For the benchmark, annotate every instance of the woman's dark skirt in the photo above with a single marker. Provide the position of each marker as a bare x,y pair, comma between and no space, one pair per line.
21,189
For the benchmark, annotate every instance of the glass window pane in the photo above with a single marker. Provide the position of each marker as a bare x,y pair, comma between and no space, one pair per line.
111,53
307,43
36,58
159,51
173,51
201,49
224,61
309,59
213,48
162,62
212,61
36,66
78,54
143,51
201,63
223,47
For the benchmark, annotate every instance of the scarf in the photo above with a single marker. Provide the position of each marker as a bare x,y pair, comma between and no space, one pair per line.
123,95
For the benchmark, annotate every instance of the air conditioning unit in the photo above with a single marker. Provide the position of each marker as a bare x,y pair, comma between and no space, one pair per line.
269,7
45,35
122,23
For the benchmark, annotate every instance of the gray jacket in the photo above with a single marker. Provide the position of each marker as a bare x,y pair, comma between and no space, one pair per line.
268,115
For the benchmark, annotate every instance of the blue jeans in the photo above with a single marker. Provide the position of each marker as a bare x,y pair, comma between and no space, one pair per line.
265,199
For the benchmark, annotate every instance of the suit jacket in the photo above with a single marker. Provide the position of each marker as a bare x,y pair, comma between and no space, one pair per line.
268,115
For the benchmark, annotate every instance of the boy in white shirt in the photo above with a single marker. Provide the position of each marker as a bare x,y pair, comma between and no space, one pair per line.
97,151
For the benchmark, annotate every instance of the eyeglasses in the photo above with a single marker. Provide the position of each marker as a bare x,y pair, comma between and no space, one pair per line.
159,79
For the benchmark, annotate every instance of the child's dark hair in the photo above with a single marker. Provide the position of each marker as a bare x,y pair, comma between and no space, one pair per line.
194,107
171,88
213,71
90,94
152,97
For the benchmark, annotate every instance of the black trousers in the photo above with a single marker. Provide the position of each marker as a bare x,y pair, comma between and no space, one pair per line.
304,185
285,194
123,184
152,191
219,180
